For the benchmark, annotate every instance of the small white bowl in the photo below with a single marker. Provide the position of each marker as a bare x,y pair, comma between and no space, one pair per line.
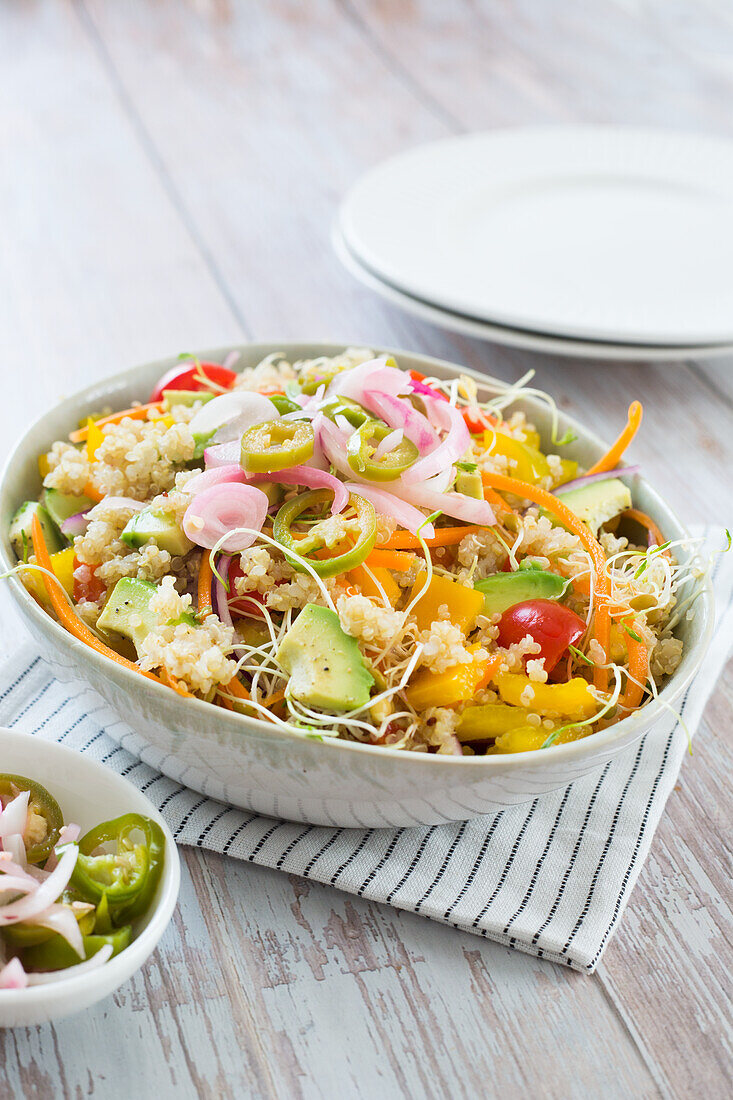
88,793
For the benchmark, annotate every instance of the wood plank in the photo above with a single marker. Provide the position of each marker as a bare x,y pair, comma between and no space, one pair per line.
668,967
98,271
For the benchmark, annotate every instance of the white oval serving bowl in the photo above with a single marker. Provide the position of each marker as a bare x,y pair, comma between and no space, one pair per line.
88,793
257,766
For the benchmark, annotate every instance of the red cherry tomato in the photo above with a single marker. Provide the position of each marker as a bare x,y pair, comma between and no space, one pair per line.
478,421
245,605
551,624
188,377
86,583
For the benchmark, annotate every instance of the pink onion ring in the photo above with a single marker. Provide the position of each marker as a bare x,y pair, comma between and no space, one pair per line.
374,375
46,893
588,479
387,504
455,444
214,476
224,508
313,478
400,414
451,504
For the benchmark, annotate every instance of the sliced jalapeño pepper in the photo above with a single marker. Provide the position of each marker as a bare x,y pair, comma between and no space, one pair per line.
45,819
363,527
57,954
283,404
364,442
350,410
276,445
21,935
126,867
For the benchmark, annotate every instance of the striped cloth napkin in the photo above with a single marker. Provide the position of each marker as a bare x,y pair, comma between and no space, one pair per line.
550,877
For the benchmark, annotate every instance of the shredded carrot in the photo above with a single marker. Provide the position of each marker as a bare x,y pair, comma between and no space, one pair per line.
390,559
65,614
638,668
206,576
497,502
645,521
612,457
138,412
602,617
93,492
178,686
235,687
444,536
276,697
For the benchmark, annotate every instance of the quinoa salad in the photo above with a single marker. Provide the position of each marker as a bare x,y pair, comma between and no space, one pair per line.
346,549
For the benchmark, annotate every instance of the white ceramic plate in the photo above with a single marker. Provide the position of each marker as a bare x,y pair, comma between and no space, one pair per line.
514,337
87,793
253,765
601,233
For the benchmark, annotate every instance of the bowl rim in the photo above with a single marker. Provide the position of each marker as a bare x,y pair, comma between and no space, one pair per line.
627,729
118,969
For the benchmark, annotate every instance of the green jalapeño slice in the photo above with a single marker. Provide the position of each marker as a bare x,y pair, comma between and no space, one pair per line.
355,528
363,444
277,445
122,860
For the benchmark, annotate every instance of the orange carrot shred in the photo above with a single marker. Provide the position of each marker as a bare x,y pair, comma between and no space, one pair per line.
612,457
138,412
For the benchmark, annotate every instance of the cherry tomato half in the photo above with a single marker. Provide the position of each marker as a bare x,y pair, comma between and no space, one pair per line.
86,583
187,376
551,624
248,603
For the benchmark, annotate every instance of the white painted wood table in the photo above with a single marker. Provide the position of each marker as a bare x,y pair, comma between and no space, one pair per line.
168,174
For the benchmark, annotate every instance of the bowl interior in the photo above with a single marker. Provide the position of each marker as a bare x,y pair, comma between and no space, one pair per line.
21,481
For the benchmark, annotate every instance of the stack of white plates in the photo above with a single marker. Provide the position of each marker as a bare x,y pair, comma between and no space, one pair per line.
592,241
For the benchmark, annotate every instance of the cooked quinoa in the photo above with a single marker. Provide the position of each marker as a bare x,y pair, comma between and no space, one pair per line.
458,592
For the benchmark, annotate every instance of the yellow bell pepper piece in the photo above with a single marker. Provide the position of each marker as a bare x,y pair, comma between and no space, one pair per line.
481,723
571,700
465,603
569,471
527,463
361,578
167,421
44,466
522,739
532,438
456,684
95,437
62,564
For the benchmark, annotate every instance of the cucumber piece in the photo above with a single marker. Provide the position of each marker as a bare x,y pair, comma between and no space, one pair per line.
61,506
161,528
21,538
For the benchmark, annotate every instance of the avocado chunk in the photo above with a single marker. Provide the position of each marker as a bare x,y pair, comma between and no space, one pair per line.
127,611
21,538
326,668
502,590
61,506
159,526
171,398
470,484
597,502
